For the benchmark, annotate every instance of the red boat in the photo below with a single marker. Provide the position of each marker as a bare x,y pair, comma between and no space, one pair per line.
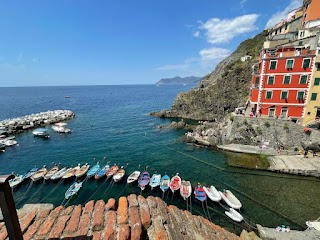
111,171
175,183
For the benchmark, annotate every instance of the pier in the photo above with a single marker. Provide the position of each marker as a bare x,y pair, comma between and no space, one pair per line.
18,125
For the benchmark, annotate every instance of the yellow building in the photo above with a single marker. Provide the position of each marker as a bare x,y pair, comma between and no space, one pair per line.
312,109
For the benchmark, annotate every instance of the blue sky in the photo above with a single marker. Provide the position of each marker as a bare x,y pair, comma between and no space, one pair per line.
76,42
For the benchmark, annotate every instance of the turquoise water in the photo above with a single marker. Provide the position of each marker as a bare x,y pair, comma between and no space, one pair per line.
113,122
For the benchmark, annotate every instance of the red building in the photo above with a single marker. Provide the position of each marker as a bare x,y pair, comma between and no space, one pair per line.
280,81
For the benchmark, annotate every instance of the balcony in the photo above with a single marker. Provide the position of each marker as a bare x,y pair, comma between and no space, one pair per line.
304,52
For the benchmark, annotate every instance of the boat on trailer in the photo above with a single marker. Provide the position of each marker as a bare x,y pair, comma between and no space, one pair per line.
230,199
143,180
133,177
73,189
212,193
165,183
155,180
185,189
175,183
234,215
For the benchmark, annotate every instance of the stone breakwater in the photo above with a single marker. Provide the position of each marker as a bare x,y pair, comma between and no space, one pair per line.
20,124
133,217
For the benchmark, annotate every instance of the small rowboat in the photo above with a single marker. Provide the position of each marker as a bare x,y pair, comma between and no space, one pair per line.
102,172
93,170
82,171
30,173
51,172
73,189
39,174
155,180
16,181
175,183
230,199
111,171
143,180
185,189
165,183
200,194
234,215
133,176
60,173
212,193
71,173
119,175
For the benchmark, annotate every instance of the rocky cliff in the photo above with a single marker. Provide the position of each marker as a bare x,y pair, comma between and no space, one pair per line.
180,81
221,91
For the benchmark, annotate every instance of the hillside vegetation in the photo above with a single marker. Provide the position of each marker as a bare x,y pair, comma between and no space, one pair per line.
221,91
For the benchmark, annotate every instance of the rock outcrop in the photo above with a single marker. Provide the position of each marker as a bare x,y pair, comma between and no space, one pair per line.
134,217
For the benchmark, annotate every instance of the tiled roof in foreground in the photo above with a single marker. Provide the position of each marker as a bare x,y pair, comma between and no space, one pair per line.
134,217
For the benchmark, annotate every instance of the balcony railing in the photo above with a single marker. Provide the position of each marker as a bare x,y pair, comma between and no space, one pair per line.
304,52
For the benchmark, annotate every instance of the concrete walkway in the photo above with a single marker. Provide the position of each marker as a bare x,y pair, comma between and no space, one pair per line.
296,164
247,149
271,234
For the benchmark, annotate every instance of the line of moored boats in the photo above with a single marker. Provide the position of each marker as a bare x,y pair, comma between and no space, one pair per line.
143,178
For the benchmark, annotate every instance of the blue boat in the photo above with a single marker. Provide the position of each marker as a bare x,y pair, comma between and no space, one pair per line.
102,172
165,183
73,189
200,194
30,173
93,170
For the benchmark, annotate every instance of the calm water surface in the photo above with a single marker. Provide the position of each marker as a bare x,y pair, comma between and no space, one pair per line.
113,122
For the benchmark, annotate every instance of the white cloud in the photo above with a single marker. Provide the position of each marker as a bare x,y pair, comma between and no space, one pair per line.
223,30
209,54
196,34
278,16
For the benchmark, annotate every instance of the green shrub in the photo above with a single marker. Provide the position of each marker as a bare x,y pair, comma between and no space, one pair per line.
231,118
267,124
259,130
286,126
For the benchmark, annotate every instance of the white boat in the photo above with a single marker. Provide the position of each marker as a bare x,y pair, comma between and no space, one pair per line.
230,199
234,215
133,176
41,132
51,172
185,189
60,173
155,180
212,193
82,171
61,129
39,174
8,142
119,175
16,181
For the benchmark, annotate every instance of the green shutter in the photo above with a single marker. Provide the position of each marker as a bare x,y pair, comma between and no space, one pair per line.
318,67
273,65
303,79
289,63
300,95
306,63
286,80
284,95
317,81
257,80
314,96
269,95
270,80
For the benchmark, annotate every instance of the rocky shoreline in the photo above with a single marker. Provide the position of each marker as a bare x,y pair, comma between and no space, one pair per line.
18,125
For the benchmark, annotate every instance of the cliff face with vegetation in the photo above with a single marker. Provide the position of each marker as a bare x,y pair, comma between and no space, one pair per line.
221,91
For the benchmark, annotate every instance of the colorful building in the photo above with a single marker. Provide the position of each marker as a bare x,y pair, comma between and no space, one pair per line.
285,81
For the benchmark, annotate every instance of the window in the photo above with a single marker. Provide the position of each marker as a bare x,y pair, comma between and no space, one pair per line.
286,79
300,95
301,35
318,66
289,64
270,80
257,80
284,95
273,64
306,63
303,79
285,28
284,112
269,95
316,82
314,96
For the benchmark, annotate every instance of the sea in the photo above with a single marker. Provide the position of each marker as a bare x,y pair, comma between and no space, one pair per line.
113,124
